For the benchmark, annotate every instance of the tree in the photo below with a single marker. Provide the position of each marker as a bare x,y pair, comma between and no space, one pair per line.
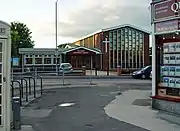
20,37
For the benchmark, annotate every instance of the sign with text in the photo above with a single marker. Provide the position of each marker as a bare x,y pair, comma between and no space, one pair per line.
80,51
166,9
166,26
15,61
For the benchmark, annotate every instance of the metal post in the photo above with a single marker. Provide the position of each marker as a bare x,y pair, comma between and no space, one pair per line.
41,85
90,77
29,86
63,75
108,65
56,26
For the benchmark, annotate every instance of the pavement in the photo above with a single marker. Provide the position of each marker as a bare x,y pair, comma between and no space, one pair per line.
89,74
134,107
104,105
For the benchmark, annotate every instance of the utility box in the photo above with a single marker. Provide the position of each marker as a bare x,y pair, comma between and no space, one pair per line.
5,71
16,107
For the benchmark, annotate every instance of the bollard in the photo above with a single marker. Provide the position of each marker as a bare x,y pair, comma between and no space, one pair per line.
96,70
84,70
16,113
118,70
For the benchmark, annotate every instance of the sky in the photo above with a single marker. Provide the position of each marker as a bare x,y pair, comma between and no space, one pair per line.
76,18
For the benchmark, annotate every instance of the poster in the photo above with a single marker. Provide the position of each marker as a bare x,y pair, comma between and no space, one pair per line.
166,59
15,61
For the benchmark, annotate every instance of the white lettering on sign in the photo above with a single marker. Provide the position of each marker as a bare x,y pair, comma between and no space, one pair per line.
175,7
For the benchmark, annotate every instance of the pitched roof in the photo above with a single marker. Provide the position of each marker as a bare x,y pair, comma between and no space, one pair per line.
126,25
95,50
114,27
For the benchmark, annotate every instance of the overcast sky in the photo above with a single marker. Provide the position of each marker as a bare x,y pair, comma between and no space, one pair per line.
77,18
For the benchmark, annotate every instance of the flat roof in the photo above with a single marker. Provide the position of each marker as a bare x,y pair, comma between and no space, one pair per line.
52,51
112,28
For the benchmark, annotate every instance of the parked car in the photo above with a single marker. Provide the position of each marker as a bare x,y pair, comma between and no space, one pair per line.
66,68
143,73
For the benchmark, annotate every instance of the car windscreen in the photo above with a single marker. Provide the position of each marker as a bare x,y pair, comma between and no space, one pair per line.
65,65
145,68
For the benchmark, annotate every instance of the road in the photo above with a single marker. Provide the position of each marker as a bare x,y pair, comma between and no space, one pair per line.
87,113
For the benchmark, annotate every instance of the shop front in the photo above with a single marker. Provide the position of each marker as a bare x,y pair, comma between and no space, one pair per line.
166,55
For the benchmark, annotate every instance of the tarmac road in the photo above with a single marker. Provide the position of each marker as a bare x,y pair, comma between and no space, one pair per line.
88,114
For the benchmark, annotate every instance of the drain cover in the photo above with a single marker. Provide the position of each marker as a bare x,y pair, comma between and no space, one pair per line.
66,104
142,102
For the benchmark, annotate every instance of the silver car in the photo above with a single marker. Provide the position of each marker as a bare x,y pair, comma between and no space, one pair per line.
66,68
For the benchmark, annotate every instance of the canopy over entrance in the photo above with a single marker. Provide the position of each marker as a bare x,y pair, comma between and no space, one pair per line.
81,51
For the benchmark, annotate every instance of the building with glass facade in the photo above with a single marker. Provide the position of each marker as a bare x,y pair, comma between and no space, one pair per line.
127,46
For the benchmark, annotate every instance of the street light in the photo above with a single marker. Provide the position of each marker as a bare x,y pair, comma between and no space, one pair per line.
56,26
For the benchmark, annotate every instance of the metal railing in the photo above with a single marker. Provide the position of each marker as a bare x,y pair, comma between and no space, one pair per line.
28,88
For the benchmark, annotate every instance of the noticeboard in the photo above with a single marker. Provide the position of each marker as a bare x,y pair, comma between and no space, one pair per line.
15,61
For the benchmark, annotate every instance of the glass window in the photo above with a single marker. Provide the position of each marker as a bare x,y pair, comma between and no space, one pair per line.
58,60
0,57
140,35
0,89
0,47
126,40
38,60
133,34
47,60
130,32
28,61
130,38
0,68
126,30
133,40
141,40
130,43
0,79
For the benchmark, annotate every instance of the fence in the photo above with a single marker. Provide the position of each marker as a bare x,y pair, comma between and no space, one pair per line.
26,87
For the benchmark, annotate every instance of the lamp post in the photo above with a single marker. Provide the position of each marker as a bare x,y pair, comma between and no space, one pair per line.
56,26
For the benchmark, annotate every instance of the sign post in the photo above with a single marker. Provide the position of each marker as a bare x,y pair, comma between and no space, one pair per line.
107,52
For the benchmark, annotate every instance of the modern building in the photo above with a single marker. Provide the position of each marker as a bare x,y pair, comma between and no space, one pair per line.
44,59
127,46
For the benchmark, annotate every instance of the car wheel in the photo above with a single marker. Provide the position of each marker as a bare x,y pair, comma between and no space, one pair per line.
143,76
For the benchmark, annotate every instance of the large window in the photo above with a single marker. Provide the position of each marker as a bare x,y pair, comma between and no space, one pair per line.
28,60
168,73
111,39
38,60
47,60
114,40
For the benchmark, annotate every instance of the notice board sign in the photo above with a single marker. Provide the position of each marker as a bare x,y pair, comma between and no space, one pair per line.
166,26
166,9
15,61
